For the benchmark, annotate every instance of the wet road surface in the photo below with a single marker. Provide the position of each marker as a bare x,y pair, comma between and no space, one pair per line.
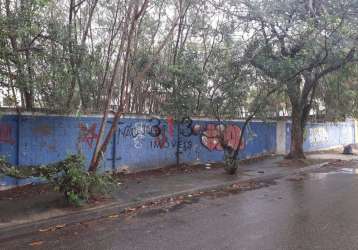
315,211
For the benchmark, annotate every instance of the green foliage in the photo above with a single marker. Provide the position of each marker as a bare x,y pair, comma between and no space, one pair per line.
339,94
68,177
184,80
44,53
77,184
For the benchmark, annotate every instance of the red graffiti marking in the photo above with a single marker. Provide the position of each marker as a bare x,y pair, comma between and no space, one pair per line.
210,138
231,134
170,122
88,134
161,140
5,134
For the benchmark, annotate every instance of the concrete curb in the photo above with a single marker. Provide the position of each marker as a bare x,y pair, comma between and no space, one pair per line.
24,229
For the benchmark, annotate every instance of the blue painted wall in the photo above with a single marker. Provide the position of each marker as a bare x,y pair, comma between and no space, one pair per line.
142,143
139,148
320,136
139,143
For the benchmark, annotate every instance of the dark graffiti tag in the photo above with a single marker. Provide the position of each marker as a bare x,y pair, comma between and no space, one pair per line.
133,130
137,132
156,127
185,127
184,145
5,134
88,135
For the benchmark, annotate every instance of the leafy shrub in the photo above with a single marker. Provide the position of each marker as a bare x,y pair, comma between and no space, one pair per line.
77,184
68,177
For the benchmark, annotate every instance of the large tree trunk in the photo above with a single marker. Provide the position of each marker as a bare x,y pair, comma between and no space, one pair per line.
297,133
301,98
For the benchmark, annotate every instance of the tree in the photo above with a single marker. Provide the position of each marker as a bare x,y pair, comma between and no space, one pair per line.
44,52
239,92
18,43
298,43
134,12
338,97
179,58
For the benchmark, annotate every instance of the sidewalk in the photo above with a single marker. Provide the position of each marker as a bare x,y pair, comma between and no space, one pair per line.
47,208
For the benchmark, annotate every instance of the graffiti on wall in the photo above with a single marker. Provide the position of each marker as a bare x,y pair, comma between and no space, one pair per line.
165,136
210,137
318,135
160,134
137,131
170,122
88,134
138,134
134,130
5,134
184,144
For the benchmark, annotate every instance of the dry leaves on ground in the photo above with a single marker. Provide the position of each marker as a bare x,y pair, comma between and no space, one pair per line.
36,243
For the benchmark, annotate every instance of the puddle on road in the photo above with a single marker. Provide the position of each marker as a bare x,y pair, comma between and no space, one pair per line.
348,170
322,175
319,176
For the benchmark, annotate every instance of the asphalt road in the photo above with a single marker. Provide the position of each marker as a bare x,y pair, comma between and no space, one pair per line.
317,211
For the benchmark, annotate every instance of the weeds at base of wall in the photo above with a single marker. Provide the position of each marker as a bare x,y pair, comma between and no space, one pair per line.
78,185
68,177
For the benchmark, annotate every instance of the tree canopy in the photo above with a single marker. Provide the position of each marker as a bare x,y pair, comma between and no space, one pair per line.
182,58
